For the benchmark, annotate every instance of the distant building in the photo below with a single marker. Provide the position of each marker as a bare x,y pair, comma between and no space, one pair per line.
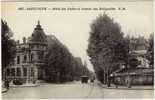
140,55
143,74
29,61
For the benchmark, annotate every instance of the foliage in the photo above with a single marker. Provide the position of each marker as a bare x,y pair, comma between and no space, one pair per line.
61,65
150,50
107,47
8,45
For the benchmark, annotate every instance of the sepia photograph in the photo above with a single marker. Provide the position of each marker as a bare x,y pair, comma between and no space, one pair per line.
77,50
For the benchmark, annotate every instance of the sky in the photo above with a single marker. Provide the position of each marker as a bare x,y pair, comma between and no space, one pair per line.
72,27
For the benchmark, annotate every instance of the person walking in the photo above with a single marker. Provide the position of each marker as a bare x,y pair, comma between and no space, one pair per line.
7,84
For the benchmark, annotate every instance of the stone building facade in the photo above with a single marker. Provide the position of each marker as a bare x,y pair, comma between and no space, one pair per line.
28,64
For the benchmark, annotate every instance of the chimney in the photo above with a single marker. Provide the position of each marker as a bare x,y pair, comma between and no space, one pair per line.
24,40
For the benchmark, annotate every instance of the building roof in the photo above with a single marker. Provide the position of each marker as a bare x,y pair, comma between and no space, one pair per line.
38,35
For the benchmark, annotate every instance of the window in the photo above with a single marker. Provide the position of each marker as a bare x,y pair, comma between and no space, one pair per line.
37,46
25,71
40,55
25,58
18,72
12,72
18,59
8,72
31,57
32,72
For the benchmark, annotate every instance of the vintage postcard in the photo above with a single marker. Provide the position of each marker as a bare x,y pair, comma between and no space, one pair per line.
77,49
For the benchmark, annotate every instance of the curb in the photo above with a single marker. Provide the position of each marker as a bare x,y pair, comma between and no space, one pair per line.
4,91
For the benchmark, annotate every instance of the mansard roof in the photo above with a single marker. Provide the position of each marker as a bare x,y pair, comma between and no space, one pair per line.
38,35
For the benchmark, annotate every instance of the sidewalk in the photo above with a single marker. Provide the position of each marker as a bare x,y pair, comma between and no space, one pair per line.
24,85
134,87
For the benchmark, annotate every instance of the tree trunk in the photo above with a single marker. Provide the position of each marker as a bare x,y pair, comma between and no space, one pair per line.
108,79
104,77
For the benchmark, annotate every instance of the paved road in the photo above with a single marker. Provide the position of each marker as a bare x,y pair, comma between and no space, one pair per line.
74,90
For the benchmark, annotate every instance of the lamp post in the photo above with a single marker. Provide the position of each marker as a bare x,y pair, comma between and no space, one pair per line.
29,53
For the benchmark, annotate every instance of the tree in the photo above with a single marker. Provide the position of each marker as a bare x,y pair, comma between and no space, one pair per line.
8,45
61,66
150,50
107,47
55,59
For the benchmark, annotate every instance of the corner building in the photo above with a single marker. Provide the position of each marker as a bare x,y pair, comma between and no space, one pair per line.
28,64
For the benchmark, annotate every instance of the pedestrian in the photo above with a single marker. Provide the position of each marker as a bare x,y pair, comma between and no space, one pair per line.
92,79
7,84
128,81
109,81
113,80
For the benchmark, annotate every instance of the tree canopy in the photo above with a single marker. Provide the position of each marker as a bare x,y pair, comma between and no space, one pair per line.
150,50
61,65
107,48
8,45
